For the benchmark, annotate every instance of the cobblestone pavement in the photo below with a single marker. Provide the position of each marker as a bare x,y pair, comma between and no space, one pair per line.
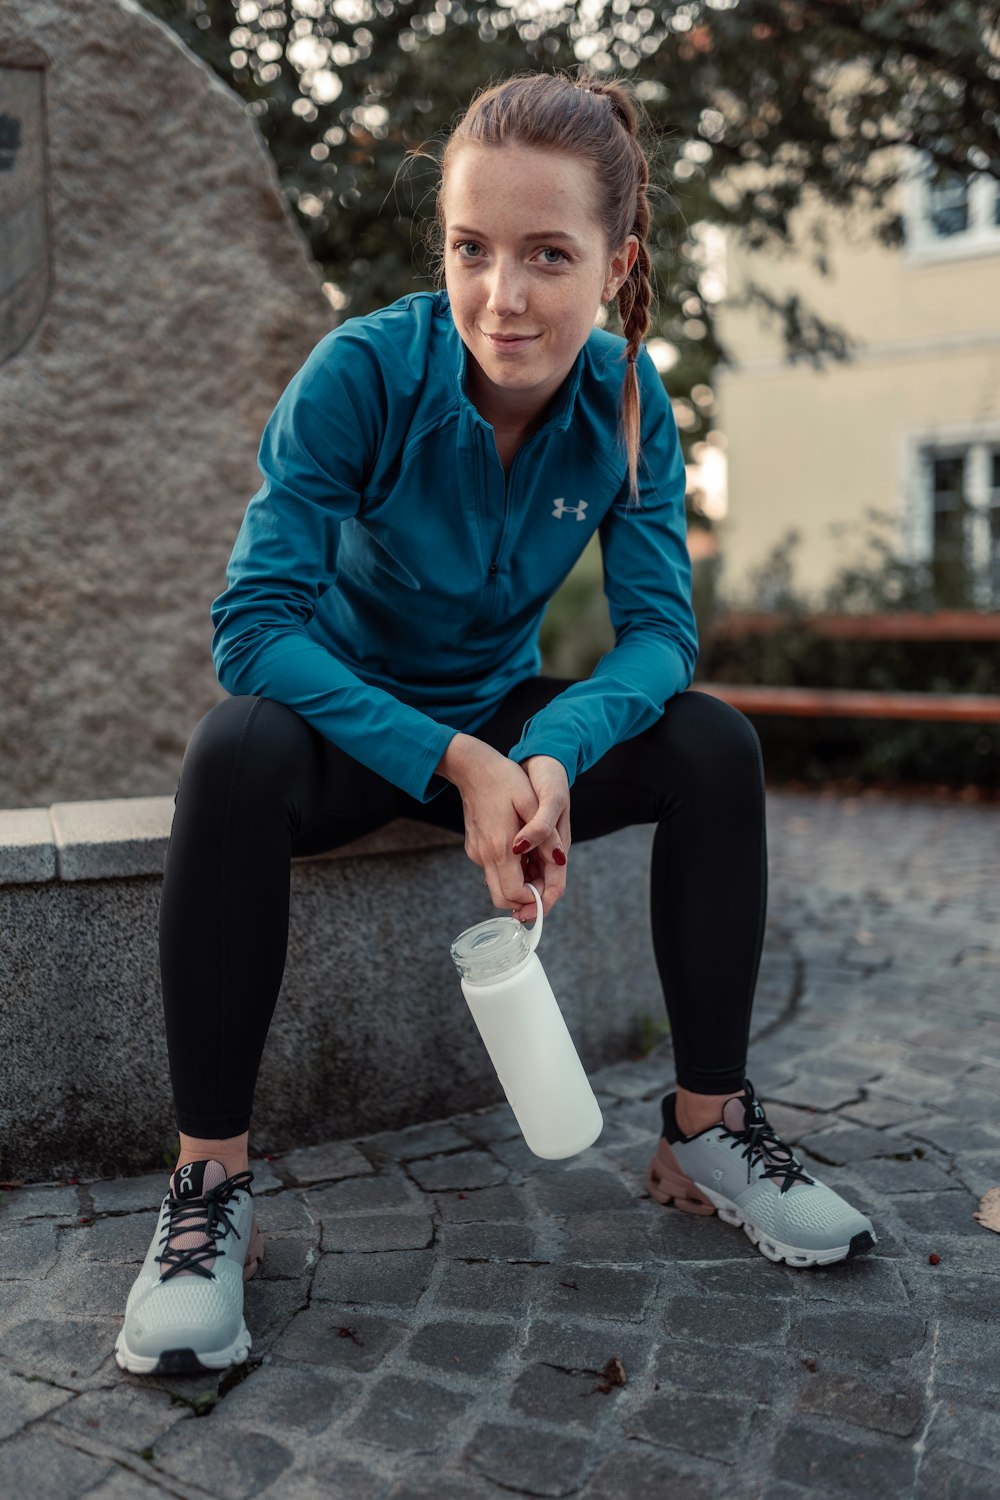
439,1311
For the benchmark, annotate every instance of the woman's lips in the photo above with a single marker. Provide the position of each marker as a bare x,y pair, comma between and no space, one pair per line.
506,342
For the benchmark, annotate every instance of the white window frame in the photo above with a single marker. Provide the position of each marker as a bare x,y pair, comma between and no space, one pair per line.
921,244
917,497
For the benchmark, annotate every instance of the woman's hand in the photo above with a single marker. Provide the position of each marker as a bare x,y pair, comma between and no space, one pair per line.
543,843
497,800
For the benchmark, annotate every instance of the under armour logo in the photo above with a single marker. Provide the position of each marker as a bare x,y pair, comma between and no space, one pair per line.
561,509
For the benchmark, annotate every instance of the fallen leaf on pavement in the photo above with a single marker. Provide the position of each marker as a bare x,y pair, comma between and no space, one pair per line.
988,1212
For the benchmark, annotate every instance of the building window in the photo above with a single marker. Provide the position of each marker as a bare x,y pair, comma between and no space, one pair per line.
962,522
947,207
948,216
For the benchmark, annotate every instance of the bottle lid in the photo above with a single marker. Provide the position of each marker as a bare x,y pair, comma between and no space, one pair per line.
495,947
490,950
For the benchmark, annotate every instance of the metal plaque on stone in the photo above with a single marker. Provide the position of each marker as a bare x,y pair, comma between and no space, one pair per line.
24,236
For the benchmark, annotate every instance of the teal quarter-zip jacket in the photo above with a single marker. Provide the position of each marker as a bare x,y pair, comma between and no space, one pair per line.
389,579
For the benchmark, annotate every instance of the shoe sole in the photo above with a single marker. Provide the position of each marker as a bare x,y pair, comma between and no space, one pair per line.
668,1184
188,1361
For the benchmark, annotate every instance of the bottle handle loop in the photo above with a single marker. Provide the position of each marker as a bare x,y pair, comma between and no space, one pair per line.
536,931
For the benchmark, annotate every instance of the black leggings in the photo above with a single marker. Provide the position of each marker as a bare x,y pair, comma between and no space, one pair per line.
258,785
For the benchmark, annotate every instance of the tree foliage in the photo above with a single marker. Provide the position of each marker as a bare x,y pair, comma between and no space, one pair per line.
749,103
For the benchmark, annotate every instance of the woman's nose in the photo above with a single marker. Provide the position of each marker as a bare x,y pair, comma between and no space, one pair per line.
507,296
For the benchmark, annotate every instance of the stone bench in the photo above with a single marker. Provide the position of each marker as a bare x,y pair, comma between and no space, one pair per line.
371,1030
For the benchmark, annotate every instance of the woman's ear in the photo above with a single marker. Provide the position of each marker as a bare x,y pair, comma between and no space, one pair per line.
620,267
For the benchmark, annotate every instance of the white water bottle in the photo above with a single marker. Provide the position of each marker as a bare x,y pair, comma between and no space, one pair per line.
523,1028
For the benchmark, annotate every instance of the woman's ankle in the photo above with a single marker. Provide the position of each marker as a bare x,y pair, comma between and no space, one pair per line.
231,1151
697,1112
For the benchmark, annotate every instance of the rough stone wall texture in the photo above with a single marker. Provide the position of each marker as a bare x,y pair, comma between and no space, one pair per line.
182,300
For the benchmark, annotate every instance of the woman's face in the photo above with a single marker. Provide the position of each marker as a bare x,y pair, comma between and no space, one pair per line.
527,266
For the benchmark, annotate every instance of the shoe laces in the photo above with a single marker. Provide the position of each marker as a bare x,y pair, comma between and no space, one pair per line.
761,1145
210,1215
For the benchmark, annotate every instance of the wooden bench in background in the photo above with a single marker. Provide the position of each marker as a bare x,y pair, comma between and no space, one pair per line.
942,625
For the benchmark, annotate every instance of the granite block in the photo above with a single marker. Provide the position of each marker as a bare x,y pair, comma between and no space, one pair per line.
336,1478
27,846
34,1463
718,1426
97,1102
409,1415
114,837
635,1470
895,1409
338,1338
577,1400
285,1399
595,1292
488,1241
865,1464
245,1463
23,1401
386,1278
28,1249
870,1337
458,1169
715,1319
327,1162
462,1348
387,1231
534,1460
493,1287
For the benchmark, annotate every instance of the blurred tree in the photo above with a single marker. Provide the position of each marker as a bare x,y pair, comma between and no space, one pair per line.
806,92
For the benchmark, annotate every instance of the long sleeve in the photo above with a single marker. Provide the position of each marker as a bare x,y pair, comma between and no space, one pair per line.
315,452
647,583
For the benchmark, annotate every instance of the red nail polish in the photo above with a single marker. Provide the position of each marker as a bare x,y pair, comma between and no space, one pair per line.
559,856
522,846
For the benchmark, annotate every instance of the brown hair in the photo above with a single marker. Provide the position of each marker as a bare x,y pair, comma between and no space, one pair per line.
597,119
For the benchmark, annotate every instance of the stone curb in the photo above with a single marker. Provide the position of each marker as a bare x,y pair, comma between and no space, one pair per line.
125,837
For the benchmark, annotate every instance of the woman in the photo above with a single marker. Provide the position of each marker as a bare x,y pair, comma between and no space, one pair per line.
431,474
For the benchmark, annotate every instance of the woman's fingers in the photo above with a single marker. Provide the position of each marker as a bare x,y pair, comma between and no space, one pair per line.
548,863
507,878
547,830
549,879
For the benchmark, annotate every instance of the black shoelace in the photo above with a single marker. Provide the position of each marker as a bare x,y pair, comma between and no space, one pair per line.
778,1159
207,1213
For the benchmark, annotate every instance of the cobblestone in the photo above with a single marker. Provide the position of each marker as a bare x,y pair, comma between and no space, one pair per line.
28,1249
462,1169
835,1394
527,1459
386,1277
378,1232
242,1462
407,1415
847,1464
443,1316
716,1426
324,1163
468,1348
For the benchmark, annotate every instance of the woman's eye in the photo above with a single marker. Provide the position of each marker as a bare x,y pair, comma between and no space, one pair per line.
467,249
551,250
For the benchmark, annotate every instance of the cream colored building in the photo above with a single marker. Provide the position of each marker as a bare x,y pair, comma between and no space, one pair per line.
909,427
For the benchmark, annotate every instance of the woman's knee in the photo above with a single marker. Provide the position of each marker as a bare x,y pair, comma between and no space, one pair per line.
712,736
257,738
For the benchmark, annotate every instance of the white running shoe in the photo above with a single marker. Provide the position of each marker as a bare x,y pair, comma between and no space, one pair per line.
740,1170
185,1310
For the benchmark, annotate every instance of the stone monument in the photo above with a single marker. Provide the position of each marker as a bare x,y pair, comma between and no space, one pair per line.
156,295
